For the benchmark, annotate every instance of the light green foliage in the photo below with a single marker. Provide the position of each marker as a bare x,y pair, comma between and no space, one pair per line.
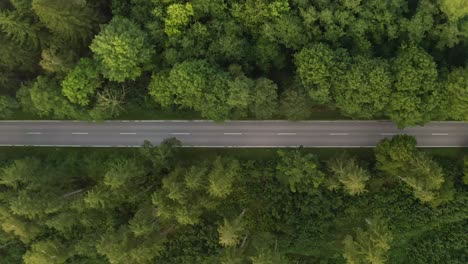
8,106
414,99
74,19
187,193
457,86
318,67
122,49
364,89
299,170
178,17
25,230
19,172
121,247
202,87
231,230
122,172
46,252
221,177
157,205
369,246
399,158
264,99
454,9
44,98
349,174
81,83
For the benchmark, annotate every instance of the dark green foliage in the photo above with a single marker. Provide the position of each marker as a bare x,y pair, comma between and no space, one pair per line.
364,89
8,106
418,93
368,59
160,205
73,20
399,158
299,170
445,244
465,170
457,87
44,98
295,104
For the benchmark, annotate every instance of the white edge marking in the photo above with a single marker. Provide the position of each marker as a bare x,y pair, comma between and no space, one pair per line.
200,146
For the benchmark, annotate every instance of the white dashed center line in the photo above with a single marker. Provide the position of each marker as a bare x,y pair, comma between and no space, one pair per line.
339,134
34,133
387,134
80,133
232,133
127,133
440,134
286,134
180,133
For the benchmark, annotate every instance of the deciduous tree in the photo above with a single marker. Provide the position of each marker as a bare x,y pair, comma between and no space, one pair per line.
364,89
370,245
349,174
82,82
264,99
299,170
416,88
122,49
8,106
457,86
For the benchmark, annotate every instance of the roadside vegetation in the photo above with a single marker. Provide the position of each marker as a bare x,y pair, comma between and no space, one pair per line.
404,60
214,59
391,204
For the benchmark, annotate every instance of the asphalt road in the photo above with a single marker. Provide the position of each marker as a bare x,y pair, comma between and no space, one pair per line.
200,133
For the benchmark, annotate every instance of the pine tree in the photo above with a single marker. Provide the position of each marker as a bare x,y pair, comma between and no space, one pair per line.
19,29
74,20
231,230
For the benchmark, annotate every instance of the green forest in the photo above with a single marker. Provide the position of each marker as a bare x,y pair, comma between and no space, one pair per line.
165,204
405,60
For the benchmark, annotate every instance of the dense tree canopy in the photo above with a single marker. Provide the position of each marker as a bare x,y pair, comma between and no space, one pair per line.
122,50
399,59
168,204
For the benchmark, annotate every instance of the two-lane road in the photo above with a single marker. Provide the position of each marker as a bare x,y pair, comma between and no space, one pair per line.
202,133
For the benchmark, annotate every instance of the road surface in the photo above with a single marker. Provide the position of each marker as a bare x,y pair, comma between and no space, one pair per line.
201,133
